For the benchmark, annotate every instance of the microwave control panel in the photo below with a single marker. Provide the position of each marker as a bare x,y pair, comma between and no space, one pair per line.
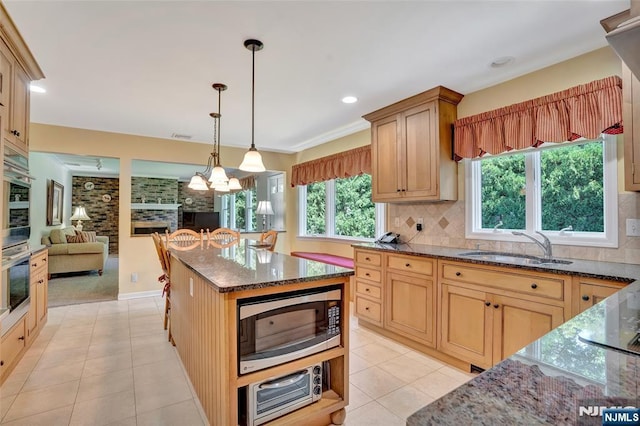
334,319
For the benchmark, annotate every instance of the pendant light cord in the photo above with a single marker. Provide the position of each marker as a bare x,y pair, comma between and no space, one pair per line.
253,93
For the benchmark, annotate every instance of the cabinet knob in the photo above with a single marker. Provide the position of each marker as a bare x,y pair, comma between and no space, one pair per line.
17,133
408,265
367,289
40,281
404,190
398,190
367,274
1,363
496,306
458,273
487,303
21,338
367,259
585,298
34,264
366,308
534,286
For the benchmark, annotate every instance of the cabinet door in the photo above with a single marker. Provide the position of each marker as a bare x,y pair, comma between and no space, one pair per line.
20,108
6,72
590,294
421,151
12,344
385,158
42,297
410,307
32,316
631,117
517,323
466,325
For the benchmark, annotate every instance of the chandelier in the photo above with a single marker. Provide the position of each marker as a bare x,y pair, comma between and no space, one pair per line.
252,161
213,177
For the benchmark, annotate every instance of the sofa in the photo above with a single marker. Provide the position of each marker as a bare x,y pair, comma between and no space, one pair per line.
68,256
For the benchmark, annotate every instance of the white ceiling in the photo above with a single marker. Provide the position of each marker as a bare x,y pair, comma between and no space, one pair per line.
146,67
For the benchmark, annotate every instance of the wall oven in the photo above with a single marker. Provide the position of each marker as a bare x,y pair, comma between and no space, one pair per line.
277,396
15,284
16,198
288,326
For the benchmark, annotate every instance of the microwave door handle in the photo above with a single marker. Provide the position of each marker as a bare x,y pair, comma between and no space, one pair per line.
286,381
18,171
259,308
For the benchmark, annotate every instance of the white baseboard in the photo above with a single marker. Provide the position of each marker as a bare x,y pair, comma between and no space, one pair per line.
139,294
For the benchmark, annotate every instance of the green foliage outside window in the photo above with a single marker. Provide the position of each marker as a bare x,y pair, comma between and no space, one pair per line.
573,188
355,212
503,191
240,206
316,206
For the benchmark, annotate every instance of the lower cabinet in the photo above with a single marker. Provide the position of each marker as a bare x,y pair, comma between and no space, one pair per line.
591,291
410,307
13,343
38,292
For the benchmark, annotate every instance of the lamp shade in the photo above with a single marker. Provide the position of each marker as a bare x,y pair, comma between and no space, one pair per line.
264,207
252,161
234,184
218,176
79,213
198,183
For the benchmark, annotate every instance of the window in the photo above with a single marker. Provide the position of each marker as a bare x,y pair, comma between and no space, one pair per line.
238,210
340,208
568,191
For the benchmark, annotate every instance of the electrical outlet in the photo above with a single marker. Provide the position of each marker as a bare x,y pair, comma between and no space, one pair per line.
396,221
134,277
191,286
633,227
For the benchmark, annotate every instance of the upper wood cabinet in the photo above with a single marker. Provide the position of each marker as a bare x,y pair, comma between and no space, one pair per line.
411,148
18,69
631,122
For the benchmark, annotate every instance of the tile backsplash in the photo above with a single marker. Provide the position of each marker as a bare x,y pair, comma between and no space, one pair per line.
444,225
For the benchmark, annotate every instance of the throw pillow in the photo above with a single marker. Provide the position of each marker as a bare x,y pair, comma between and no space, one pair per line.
57,236
74,239
87,236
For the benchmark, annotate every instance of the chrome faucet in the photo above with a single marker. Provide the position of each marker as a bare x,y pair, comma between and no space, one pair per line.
498,225
545,245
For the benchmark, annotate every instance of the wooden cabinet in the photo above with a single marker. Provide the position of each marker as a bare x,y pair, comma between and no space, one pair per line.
589,291
369,289
15,94
37,316
411,148
489,313
631,120
410,307
13,343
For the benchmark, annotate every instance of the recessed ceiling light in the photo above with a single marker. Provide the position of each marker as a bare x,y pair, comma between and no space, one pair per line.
503,61
349,99
37,89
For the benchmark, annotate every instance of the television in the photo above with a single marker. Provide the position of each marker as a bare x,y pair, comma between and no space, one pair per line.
200,220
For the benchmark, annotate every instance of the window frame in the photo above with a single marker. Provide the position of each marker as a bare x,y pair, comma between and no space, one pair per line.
228,201
330,207
533,219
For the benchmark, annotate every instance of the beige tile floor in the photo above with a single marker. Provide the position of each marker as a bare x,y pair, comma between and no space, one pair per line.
109,364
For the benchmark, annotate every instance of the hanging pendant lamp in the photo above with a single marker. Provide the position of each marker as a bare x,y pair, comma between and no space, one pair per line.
218,175
252,161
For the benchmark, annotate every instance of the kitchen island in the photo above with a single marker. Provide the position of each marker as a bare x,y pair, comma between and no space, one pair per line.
207,285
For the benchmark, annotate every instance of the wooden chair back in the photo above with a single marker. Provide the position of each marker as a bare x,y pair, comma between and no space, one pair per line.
163,253
269,237
222,237
184,239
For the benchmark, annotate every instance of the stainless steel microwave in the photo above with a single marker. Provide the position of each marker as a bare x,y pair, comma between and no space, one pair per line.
278,329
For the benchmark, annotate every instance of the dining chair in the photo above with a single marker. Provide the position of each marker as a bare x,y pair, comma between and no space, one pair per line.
222,237
184,239
270,237
165,264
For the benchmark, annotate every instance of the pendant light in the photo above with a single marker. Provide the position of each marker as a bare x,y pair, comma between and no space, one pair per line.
218,175
252,161
234,184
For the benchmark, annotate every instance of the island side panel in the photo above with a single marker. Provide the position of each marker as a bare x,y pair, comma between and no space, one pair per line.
199,323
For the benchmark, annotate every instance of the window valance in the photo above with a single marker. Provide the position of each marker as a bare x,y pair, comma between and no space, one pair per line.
581,111
344,164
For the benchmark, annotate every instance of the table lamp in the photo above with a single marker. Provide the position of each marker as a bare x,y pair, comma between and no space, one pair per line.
80,214
264,208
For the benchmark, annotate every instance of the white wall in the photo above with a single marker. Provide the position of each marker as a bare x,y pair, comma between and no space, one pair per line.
42,168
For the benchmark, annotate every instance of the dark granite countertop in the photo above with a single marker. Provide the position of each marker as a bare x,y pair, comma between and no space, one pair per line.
623,272
244,267
547,381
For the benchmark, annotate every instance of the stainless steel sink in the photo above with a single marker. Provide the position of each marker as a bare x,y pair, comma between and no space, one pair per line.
520,259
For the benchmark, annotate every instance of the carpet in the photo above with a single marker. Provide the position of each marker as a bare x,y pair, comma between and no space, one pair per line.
84,287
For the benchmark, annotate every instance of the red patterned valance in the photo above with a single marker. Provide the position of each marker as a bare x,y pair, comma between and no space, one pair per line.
582,111
344,164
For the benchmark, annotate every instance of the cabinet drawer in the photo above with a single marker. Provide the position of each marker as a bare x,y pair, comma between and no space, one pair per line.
368,290
414,264
540,286
368,258
39,260
368,274
368,309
